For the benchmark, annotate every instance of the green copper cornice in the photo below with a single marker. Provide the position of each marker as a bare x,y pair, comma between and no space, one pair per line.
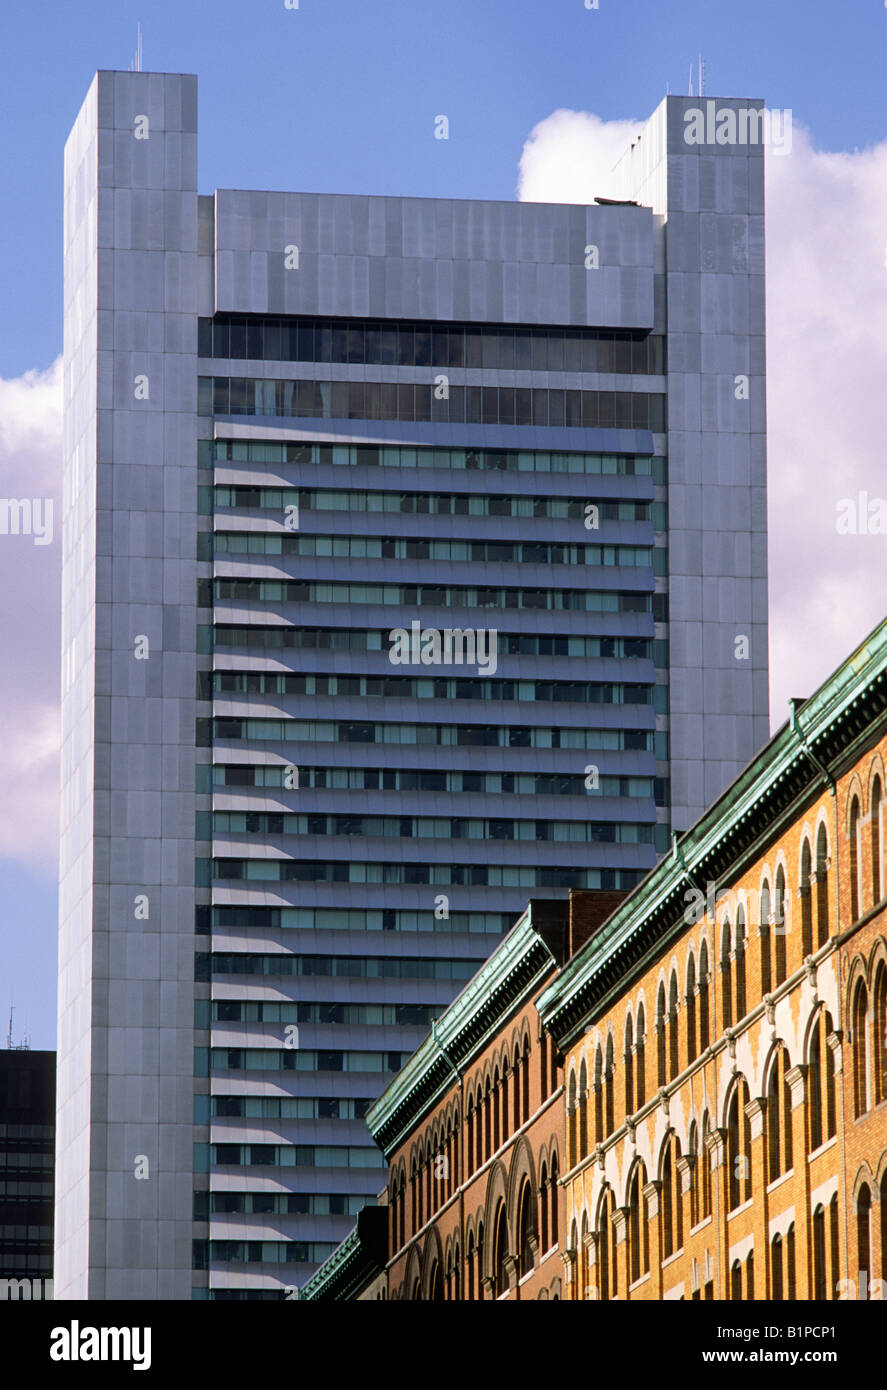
831,726
517,965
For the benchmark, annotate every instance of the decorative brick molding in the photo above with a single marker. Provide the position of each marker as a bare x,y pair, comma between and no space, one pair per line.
755,1111
685,1169
834,1041
795,1078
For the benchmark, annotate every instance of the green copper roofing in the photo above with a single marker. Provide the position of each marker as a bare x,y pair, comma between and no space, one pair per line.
335,1271
831,724
516,966
354,1263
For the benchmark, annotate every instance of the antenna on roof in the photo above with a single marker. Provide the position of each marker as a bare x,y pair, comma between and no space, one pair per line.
690,88
136,64
701,76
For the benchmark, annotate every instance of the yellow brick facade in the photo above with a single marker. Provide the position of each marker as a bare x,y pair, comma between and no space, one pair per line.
726,1114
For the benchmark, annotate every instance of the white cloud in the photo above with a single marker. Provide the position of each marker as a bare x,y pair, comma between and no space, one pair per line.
569,158
826,366
30,578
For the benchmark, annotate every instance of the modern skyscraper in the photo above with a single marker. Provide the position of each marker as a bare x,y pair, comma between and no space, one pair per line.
414,563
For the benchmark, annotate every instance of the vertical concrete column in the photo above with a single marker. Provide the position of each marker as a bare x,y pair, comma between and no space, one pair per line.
128,835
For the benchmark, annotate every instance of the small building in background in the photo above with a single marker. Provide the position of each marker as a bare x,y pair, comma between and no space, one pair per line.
27,1172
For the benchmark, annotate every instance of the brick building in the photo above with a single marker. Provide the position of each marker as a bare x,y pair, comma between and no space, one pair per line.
724,1034
472,1128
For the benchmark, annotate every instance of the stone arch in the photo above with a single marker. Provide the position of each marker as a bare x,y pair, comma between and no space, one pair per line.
432,1255
522,1169
864,1178
856,789
412,1283
497,1192
859,970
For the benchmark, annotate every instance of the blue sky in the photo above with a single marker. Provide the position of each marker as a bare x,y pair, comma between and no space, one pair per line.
341,96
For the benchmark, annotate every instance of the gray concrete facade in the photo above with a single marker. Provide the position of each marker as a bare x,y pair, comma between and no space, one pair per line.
708,201
205,904
126,948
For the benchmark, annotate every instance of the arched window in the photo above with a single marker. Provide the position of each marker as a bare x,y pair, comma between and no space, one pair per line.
435,1288
488,1120
780,928
505,1072
670,1204
738,1147
571,1121
469,1268
790,1287
750,1275
469,1133
779,1118
880,1039
693,1156
496,1105
660,1037
525,1230
833,1246
501,1250
726,975
583,1257
860,1050
821,887
820,1279
543,1208
864,1242
777,1272
705,1174
821,1108
673,1060
598,1095
740,964
583,1110
480,1259
628,1065
782,1267
805,892
525,1079
876,840
610,1087
552,1189
638,1227
640,1065
736,1281
691,1011
606,1246
764,934
704,1012
853,834
515,1098
394,1225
